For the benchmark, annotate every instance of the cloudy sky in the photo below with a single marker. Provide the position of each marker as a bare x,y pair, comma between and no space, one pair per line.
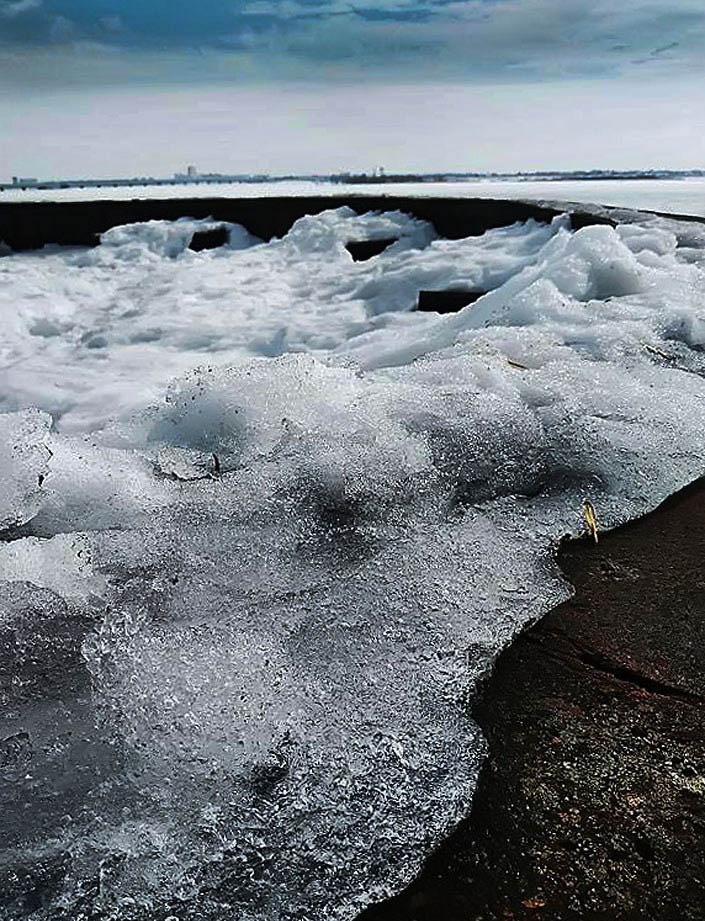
104,87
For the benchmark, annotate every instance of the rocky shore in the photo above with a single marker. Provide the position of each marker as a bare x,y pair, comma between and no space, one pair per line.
591,804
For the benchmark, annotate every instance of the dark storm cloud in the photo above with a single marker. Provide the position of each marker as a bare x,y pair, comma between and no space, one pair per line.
470,39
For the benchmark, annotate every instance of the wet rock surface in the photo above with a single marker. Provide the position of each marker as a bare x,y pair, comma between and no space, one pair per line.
591,804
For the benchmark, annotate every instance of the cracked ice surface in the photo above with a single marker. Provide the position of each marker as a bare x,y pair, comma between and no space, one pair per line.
280,526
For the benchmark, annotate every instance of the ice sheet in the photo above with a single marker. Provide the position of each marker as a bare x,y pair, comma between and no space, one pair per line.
279,537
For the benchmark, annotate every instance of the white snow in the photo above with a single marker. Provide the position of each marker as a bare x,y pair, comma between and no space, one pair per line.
287,523
675,196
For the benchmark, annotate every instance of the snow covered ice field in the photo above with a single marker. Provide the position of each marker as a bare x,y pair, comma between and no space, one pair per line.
265,525
675,196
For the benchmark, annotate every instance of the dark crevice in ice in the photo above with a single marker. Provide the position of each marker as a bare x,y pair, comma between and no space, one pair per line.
449,301
213,238
362,250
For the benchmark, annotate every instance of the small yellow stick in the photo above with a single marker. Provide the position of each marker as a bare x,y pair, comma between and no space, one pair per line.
590,517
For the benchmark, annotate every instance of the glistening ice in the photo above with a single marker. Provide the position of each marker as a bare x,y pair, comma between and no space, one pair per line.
266,525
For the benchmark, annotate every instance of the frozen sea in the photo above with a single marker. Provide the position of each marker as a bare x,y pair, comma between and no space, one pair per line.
264,525
676,196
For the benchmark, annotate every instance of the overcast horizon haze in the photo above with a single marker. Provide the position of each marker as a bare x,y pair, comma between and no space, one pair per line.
99,88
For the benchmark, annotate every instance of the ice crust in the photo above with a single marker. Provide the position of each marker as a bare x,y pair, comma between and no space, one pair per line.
254,569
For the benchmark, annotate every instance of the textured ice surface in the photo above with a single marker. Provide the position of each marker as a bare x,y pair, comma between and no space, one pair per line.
24,461
267,549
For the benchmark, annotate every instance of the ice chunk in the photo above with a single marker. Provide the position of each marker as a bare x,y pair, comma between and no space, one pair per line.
62,565
329,231
169,239
639,238
94,487
24,460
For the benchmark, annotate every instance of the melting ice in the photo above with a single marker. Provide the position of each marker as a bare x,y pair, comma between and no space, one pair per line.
265,525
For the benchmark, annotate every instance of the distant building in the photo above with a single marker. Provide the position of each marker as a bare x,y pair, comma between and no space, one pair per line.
18,180
190,175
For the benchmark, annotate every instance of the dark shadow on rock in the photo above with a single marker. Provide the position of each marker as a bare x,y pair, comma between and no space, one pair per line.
450,301
362,250
591,804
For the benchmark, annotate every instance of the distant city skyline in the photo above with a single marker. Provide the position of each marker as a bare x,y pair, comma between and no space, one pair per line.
192,176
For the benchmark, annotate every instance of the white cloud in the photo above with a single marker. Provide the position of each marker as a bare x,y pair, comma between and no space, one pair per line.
12,8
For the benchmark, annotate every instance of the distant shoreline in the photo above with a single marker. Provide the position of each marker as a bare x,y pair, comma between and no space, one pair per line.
25,184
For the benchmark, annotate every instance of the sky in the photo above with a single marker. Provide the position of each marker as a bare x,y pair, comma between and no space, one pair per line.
134,87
